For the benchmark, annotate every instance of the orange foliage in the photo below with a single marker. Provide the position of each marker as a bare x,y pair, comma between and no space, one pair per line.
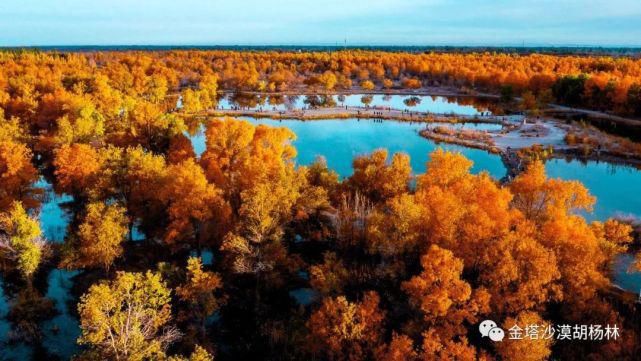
77,167
377,179
343,330
191,201
17,174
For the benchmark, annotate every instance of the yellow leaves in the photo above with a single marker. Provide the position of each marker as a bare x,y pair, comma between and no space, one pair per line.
401,348
522,246
21,242
109,172
318,174
577,249
442,214
228,150
236,244
254,167
11,129
144,114
77,166
17,173
614,236
100,235
395,230
198,279
19,225
312,199
191,101
520,273
439,286
368,85
528,102
525,349
200,288
344,330
265,208
460,210
378,180
128,317
388,83
191,200
272,145
209,84
436,348
16,158
551,205
262,211
149,125
445,169
617,232
145,174
328,80
199,354
411,83
81,122
180,149
234,146
540,198
329,277
157,87
581,250
488,209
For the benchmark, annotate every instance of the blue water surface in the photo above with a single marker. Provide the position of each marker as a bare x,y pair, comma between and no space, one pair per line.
339,141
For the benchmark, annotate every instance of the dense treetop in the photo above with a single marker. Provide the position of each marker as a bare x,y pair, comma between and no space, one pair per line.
399,266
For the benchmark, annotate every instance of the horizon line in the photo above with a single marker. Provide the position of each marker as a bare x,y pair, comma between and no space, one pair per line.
325,45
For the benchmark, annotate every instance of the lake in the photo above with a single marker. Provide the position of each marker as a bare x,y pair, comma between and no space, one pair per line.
339,141
418,103
616,187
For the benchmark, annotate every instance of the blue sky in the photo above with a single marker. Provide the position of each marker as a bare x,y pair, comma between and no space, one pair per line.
321,22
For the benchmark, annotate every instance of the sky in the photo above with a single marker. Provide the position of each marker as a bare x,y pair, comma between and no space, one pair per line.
321,22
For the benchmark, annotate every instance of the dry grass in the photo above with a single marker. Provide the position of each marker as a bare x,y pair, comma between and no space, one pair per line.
588,139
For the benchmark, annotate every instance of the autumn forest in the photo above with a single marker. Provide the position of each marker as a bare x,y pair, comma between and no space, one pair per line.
241,253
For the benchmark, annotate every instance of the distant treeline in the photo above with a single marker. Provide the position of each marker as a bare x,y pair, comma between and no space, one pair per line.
558,50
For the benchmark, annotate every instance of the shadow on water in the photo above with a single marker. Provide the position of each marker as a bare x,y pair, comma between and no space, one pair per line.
10,350
624,276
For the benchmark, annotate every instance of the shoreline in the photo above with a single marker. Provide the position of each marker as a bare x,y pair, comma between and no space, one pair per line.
346,112
506,143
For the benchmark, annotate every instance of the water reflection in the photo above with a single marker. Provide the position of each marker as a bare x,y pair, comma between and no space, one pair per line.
304,296
53,217
9,350
615,186
62,331
616,189
624,275
468,106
